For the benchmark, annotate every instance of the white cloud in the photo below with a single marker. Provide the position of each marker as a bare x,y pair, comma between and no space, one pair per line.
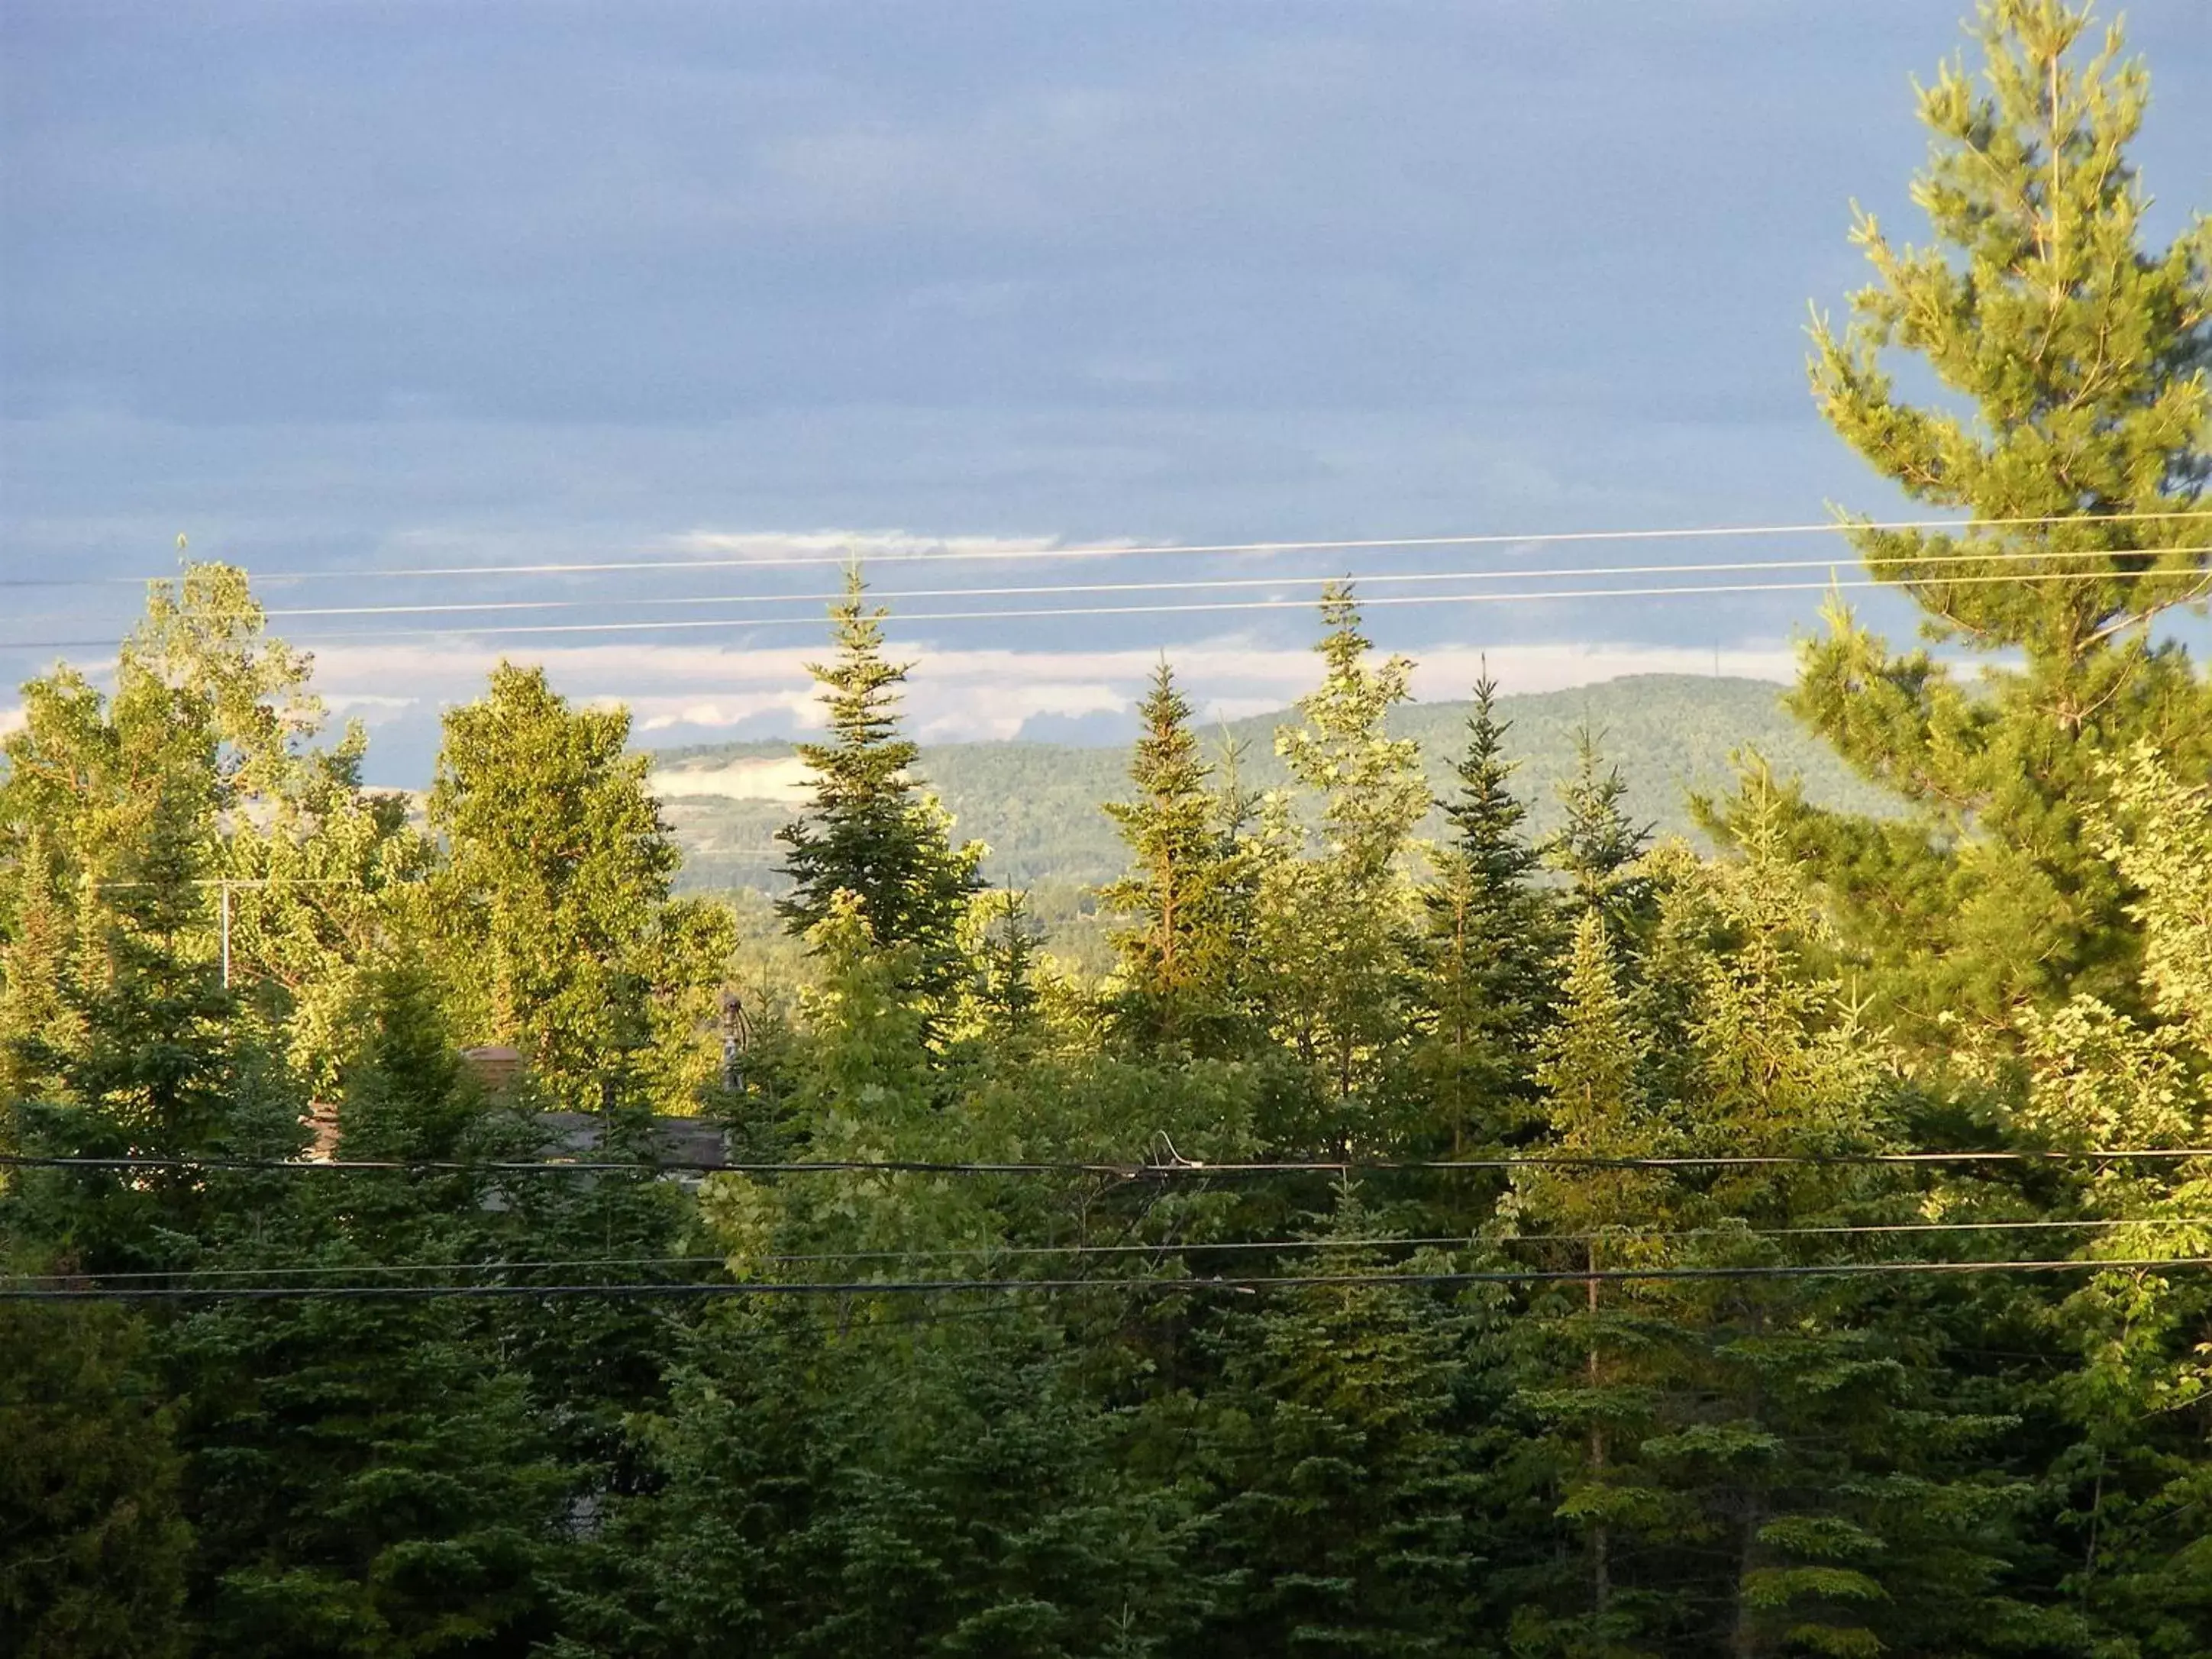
958,694
863,544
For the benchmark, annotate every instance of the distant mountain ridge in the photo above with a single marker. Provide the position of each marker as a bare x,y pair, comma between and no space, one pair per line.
1036,805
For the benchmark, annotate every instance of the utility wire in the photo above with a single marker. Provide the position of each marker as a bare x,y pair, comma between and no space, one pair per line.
1262,1246
944,553
1121,1171
956,1286
1362,580
1671,591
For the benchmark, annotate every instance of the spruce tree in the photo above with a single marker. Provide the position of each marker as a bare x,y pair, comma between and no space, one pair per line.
1339,927
366,1474
1597,846
869,830
883,1480
2071,435
1185,890
155,1061
1583,1388
1344,1452
1760,1465
1491,939
93,1549
1011,997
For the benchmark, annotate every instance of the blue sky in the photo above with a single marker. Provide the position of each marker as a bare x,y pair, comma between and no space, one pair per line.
337,287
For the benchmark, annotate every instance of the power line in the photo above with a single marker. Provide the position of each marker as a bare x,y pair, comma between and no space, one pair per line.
629,1291
1687,590
943,552
1132,1171
1175,1247
1362,580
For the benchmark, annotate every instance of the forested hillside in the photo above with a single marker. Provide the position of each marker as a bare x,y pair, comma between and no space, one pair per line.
1437,1230
1036,805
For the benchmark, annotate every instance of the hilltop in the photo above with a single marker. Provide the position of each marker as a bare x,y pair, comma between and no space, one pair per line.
1036,805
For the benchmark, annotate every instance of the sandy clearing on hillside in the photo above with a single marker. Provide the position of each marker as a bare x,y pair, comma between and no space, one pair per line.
783,777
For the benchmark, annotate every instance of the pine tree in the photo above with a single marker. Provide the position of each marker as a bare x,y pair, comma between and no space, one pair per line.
369,1475
884,1481
109,813
155,1061
1762,1465
1491,938
2072,360
1186,888
870,832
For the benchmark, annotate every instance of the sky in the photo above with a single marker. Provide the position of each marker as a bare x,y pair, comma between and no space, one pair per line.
341,290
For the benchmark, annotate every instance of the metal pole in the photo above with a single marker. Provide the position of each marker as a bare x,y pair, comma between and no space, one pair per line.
226,936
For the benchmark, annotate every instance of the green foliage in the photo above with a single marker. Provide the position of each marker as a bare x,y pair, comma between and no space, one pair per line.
937,1484
1754,1466
1345,1464
869,831
1486,956
1005,1376
553,901
1596,848
1188,888
1009,995
2072,360
1036,804
1575,1467
2141,1399
1337,931
93,1551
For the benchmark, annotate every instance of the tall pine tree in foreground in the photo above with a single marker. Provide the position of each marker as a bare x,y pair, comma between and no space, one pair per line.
869,830
1589,1415
366,1475
2072,361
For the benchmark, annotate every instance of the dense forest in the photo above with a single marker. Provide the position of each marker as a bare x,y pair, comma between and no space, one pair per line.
1492,1240
1036,806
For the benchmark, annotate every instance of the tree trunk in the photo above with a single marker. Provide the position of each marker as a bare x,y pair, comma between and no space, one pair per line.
1601,1541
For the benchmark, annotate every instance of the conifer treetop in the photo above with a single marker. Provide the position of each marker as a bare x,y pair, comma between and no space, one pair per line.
2080,354
2072,360
870,831
1484,813
867,757
1371,790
